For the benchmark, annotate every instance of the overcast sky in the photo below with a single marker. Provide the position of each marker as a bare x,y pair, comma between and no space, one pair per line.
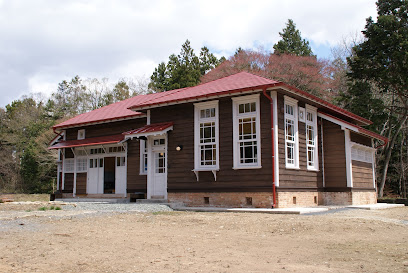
44,42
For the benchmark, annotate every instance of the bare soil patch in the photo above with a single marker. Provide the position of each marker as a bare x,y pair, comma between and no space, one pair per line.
348,241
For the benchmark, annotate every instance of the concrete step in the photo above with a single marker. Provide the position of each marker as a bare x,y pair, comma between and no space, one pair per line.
152,201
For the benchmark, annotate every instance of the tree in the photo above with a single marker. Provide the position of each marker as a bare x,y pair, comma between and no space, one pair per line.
292,42
183,70
382,61
304,72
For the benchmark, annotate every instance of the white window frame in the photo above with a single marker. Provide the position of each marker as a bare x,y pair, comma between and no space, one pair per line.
81,134
69,165
197,121
143,157
236,141
361,153
312,111
294,103
81,164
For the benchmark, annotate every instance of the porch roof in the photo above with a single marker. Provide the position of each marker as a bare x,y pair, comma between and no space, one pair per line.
88,141
151,129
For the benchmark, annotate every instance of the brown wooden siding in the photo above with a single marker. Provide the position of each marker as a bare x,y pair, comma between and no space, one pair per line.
68,182
301,178
135,181
180,164
106,129
81,183
362,175
334,155
68,153
363,140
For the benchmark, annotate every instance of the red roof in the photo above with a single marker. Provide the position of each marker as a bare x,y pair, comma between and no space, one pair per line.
236,83
88,141
115,111
360,129
151,128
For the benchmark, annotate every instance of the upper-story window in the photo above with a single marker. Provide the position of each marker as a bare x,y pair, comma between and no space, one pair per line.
206,131
246,132
291,133
311,138
81,134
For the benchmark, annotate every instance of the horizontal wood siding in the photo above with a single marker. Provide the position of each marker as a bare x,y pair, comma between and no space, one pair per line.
135,181
68,182
180,164
334,155
301,178
362,175
106,129
363,140
81,183
68,153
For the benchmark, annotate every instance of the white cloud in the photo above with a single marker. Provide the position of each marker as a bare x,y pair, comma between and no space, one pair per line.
45,42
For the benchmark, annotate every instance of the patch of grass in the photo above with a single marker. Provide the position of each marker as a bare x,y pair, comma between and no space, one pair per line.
30,197
50,208
165,213
57,208
43,208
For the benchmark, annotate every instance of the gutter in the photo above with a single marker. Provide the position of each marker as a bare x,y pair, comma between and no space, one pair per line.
273,148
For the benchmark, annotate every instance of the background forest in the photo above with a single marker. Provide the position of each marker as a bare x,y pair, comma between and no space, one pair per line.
367,77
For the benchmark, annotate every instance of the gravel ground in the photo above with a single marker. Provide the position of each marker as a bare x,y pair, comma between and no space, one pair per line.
103,237
116,207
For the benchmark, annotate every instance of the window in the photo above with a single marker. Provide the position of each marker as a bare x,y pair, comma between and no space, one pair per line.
143,156
311,138
116,149
206,135
160,164
81,164
69,165
246,132
291,133
81,134
120,161
96,151
361,153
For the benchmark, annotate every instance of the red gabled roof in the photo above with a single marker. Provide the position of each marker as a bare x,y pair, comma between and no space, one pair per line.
238,82
151,128
114,111
89,141
233,84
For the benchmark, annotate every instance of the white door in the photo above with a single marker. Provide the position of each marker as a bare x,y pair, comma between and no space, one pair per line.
120,178
160,172
157,169
95,176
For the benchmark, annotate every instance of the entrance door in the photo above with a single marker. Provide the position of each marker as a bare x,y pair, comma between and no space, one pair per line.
157,180
109,175
95,176
120,187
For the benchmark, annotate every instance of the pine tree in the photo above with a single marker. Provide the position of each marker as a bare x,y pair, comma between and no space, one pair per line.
183,70
382,60
292,42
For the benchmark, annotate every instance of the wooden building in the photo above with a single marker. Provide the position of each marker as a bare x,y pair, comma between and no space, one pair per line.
239,141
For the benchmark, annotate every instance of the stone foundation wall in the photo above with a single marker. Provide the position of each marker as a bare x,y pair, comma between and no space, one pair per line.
364,198
335,198
223,199
297,199
265,199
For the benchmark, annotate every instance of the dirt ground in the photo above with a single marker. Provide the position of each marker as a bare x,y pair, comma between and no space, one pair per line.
71,241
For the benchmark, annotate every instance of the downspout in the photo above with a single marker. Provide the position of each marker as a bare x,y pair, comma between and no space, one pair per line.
273,148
